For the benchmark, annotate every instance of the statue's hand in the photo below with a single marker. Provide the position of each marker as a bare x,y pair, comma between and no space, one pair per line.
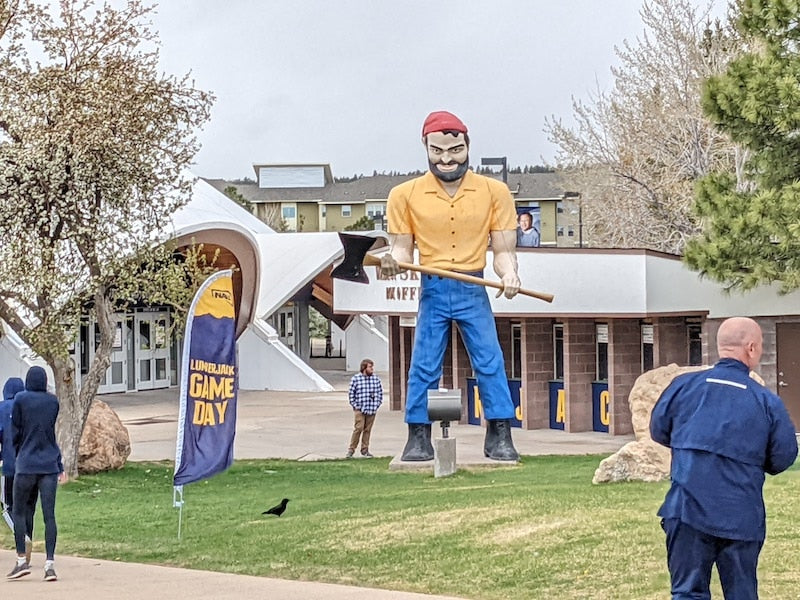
511,285
389,266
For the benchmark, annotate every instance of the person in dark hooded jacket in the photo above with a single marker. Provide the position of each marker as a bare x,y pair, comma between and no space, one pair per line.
8,454
12,386
38,466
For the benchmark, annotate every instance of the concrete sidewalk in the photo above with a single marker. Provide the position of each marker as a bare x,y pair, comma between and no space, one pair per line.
89,578
291,425
317,426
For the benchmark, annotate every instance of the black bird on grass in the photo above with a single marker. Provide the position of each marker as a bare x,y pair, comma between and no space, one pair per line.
278,509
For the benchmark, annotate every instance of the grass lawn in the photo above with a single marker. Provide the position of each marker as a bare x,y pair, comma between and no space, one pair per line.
538,530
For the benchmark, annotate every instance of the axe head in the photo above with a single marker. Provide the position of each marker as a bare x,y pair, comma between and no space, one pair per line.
355,249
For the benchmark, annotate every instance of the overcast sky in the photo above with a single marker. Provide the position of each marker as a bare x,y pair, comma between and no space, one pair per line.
349,82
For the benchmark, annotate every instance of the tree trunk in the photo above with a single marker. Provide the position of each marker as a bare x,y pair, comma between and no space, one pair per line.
75,405
68,429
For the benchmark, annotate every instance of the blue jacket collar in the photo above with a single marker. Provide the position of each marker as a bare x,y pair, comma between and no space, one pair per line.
732,362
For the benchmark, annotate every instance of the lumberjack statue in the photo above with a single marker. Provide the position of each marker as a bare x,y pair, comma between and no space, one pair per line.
449,213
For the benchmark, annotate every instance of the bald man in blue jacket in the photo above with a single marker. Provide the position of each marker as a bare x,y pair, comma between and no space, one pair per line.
726,431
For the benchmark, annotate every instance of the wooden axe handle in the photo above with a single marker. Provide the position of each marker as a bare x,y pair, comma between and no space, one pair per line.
373,261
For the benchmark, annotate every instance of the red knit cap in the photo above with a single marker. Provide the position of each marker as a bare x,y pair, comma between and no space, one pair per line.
442,120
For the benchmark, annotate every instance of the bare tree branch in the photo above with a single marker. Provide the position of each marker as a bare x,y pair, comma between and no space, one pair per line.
636,151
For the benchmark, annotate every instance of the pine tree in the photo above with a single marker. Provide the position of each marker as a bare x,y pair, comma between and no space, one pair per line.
751,219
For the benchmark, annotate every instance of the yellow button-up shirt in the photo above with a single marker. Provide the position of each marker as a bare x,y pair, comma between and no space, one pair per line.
451,233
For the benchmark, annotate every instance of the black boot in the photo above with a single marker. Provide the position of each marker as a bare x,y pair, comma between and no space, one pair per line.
498,444
418,447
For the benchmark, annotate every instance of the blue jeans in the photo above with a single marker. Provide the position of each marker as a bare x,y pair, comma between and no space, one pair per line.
26,487
442,302
692,553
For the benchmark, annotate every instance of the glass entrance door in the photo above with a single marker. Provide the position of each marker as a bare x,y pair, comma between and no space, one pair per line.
285,321
152,350
114,379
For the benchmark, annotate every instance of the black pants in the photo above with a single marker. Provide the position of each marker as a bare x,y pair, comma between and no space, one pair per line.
8,499
26,489
8,492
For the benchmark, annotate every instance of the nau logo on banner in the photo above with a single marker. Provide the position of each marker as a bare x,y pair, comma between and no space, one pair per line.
209,383
218,302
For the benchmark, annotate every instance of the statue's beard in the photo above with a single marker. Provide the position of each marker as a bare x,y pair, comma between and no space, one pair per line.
449,176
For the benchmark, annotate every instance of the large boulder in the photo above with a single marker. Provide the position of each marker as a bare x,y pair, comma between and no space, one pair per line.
643,459
105,443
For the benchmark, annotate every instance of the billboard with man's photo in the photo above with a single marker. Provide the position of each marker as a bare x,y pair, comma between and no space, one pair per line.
528,227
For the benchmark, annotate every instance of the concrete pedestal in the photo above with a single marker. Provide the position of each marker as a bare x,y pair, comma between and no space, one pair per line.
444,456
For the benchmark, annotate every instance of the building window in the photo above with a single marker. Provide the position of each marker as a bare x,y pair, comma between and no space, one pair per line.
647,347
375,209
601,335
516,350
558,351
560,231
346,210
570,231
694,331
288,212
324,210
560,207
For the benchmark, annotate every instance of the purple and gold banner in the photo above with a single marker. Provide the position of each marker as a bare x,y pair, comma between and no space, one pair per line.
209,383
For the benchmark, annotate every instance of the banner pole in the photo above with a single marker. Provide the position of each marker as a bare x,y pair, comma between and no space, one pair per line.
177,502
